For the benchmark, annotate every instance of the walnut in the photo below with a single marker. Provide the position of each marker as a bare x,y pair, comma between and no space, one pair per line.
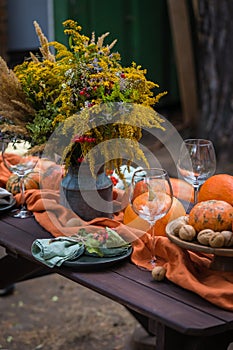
158,273
216,240
187,233
178,223
184,218
228,238
74,222
177,227
203,236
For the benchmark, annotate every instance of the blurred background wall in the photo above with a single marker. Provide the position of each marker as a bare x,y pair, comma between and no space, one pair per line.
185,45
142,30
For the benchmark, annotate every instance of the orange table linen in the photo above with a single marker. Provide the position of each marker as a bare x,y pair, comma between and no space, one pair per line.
186,269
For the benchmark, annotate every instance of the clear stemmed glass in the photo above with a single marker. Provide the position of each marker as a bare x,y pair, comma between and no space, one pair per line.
151,198
21,164
197,162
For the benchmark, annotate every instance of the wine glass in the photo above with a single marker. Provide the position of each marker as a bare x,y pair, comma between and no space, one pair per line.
151,198
17,161
197,162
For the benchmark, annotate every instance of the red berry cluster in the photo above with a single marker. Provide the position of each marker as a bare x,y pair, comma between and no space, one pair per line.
80,159
84,139
81,139
101,236
114,180
109,172
89,104
84,92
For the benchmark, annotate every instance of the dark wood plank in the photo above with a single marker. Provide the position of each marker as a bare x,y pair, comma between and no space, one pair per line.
128,286
179,294
148,302
18,237
169,339
132,272
29,225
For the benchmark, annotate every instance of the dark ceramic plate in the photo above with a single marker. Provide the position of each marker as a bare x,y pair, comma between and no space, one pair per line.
7,207
92,263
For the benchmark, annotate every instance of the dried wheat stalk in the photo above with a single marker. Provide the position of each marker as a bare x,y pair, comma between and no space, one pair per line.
13,103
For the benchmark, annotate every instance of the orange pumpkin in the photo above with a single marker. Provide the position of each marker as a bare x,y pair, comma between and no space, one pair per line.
182,189
31,181
213,214
133,220
219,187
140,187
45,164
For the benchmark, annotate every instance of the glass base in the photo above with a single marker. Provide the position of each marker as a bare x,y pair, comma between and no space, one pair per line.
153,262
21,213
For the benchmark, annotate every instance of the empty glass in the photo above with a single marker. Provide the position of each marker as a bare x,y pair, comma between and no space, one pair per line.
197,162
151,198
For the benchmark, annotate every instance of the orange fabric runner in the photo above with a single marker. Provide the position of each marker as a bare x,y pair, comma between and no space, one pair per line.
187,269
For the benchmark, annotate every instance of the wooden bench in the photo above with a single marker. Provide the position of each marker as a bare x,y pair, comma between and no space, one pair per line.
179,319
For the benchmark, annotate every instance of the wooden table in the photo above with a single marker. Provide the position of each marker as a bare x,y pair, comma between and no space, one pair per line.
180,319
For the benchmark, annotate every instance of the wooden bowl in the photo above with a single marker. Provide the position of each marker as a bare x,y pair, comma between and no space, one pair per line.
222,257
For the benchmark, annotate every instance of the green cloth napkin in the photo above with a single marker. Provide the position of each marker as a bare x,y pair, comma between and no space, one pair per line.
53,252
101,243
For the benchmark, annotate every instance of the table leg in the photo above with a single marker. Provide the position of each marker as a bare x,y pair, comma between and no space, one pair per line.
143,320
142,337
151,334
17,269
168,339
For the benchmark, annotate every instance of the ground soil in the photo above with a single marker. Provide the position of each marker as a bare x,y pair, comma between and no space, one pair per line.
53,313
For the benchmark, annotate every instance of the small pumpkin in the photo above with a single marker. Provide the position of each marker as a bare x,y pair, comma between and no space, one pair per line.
51,177
133,220
219,187
212,214
31,181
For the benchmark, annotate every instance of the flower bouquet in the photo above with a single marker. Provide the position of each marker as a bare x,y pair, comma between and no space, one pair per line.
68,88
80,105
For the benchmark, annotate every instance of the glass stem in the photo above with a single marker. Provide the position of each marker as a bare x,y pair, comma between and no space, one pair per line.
196,190
152,245
22,189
